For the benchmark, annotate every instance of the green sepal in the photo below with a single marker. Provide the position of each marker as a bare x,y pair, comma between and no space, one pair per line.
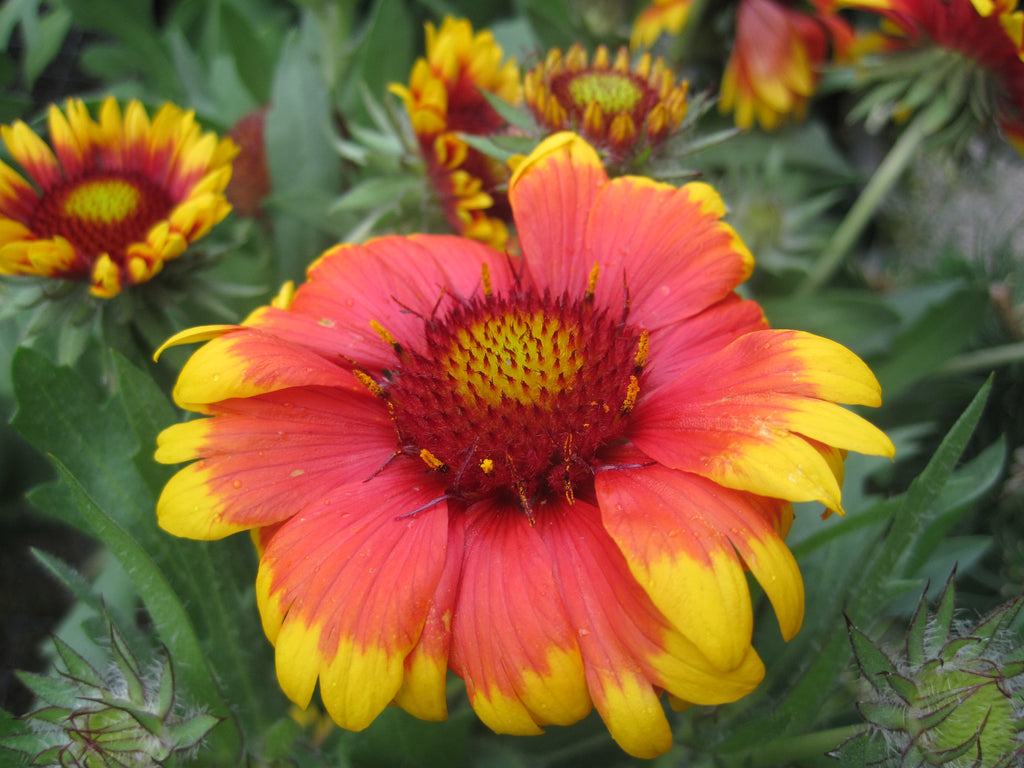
165,691
902,686
50,714
917,632
78,669
49,757
942,619
871,659
883,715
190,732
990,626
931,719
128,665
54,691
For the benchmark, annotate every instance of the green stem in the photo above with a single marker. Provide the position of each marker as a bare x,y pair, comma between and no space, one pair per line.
869,201
797,748
985,359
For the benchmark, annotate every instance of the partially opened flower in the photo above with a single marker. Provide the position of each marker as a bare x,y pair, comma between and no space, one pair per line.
619,107
966,54
548,474
113,200
777,56
445,98
658,18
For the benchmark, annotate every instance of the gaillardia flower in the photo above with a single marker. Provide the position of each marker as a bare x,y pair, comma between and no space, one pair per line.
614,105
445,98
112,200
776,57
546,473
659,17
975,46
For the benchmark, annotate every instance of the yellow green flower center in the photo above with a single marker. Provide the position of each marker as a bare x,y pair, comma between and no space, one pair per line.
517,357
614,92
515,396
103,201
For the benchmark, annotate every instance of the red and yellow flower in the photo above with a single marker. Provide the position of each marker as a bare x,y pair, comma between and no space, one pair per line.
987,34
445,98
113,200
612,104
776,59
548,474
658,18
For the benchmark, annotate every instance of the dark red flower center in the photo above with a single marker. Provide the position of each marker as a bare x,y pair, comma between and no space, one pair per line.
102,213
514,395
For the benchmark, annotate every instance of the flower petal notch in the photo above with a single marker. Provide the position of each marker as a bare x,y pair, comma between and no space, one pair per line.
456,459
109,202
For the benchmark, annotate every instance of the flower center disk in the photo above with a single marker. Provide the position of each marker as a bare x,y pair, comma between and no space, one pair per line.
102,213
514,396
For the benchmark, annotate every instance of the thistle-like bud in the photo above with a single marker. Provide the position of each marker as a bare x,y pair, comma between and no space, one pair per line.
126,717
953,696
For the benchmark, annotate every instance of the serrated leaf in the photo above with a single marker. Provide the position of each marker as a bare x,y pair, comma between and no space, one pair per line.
907,542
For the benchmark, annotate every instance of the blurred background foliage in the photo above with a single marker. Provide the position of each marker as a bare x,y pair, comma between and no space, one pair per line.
931,297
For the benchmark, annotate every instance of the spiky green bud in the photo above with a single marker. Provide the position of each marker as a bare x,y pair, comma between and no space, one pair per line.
123,718
953,696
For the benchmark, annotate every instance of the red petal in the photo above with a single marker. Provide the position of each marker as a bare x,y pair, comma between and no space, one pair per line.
681,533
344,589
266,457
397,282
665,245
552,193
511,638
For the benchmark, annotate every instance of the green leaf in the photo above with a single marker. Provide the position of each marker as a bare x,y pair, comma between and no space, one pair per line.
254,57
169,617
383,56
148,412
300,155
907,542
944,329
45,42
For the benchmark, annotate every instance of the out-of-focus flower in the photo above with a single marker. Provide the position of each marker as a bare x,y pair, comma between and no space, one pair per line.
968,54
250,179
953,696
660,17
445,98
126,716
547,474
776,59
113,200
614,105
